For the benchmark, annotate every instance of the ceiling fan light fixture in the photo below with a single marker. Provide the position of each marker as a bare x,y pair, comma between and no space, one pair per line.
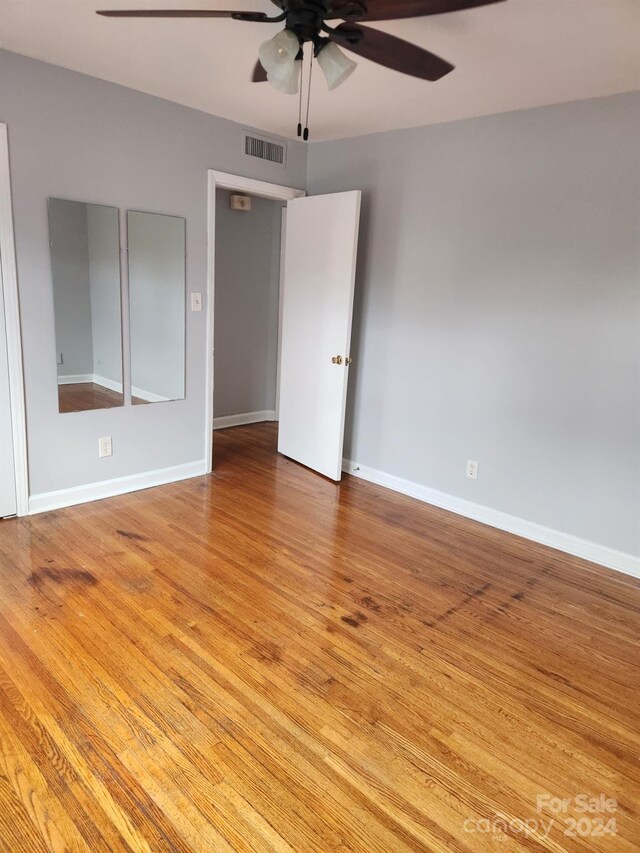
278,58
335,65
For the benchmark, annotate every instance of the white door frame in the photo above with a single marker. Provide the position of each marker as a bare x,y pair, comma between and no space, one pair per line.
283,233
225,181
9,287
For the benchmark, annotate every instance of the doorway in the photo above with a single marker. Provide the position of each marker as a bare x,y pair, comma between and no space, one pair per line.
318,254
238,272
13,447
247,300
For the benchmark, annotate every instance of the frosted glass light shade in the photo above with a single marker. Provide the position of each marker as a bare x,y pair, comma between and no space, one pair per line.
278,58
335,65
286,80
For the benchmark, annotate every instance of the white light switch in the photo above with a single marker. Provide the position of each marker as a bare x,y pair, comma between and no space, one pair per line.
196,302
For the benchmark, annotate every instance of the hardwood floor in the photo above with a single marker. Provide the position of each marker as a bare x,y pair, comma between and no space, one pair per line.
83,396
263,661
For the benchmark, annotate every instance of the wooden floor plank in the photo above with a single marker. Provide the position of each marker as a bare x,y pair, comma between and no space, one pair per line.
261,660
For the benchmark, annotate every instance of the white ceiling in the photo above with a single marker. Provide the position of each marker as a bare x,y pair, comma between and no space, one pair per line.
514,55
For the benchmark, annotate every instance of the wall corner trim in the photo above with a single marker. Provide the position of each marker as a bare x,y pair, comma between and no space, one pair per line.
566,542
117,486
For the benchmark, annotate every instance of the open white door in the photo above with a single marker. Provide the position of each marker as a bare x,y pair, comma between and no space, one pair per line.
321,242
7,474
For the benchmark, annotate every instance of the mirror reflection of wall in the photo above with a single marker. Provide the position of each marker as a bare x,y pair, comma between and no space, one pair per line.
85,266
157,306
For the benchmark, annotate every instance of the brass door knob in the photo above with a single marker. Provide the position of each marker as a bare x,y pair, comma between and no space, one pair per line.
337,359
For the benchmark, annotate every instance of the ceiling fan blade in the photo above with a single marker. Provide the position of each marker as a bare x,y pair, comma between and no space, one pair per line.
389,10
392,52
259,74
183,13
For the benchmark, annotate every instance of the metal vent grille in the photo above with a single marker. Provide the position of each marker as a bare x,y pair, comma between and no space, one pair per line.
264,149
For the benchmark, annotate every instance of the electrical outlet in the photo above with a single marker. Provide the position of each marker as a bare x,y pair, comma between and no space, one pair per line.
472,469
104,447
196,302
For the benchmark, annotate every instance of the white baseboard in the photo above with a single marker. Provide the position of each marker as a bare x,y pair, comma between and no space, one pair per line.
574,545
111,385
117,486
75,379
244,419
148,396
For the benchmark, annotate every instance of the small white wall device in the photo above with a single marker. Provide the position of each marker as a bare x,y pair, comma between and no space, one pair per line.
240,202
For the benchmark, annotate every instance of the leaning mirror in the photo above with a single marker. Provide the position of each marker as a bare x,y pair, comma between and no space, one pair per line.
156,306
84,242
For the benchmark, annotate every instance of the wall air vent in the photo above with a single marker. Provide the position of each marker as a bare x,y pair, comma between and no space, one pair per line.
265,149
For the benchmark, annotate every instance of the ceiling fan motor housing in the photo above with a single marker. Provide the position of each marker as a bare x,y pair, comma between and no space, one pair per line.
306,18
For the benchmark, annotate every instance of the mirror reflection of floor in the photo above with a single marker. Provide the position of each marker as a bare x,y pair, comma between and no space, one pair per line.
82,397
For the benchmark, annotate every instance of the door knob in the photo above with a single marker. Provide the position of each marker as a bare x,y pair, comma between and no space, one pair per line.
337,359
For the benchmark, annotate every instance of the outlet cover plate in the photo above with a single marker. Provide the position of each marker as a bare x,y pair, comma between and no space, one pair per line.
104,447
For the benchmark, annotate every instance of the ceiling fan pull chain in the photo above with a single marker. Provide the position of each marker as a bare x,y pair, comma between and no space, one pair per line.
305,135
301,87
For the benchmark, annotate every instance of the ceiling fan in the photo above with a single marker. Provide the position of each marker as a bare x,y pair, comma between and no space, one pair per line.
306,21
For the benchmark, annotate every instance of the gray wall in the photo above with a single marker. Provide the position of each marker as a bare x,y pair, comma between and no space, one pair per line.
73,136
68,235
498,310
247,295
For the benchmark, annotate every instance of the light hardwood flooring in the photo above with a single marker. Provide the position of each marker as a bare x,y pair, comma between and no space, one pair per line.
261,660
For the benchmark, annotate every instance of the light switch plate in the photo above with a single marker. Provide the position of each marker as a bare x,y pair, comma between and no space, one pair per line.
472,469
196,302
